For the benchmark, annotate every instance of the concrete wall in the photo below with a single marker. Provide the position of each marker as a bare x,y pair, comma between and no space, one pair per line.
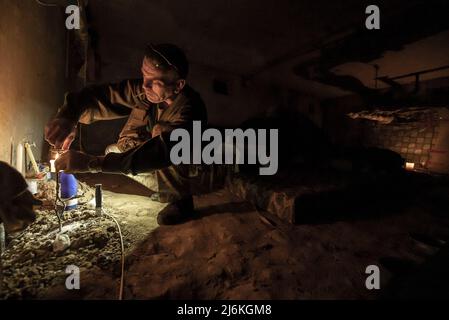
307,105
32,76
245,99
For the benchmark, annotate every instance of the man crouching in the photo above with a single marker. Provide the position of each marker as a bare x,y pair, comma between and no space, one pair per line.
156,104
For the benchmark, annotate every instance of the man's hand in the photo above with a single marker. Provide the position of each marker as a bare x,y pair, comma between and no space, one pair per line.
75,161
157,130
60,133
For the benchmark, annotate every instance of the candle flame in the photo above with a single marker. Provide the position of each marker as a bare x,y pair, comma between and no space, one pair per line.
409,165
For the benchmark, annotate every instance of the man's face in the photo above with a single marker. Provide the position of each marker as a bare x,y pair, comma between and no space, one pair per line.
159,86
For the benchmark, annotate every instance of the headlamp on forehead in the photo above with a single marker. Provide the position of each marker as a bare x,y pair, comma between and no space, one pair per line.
166,56
164,62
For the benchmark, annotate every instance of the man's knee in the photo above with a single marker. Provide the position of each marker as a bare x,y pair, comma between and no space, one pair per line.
112,148
173,183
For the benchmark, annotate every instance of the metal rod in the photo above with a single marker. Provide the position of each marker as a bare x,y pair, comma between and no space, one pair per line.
98,198
59,200
416,73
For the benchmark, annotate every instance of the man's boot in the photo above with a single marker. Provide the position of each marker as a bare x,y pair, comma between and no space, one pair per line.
177,212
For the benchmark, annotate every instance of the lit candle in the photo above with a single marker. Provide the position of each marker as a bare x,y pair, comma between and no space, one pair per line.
409,165
19,158
31,156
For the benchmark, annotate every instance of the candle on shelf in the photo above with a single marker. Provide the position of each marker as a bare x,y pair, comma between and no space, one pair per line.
409,165
19,158
52,165
30,154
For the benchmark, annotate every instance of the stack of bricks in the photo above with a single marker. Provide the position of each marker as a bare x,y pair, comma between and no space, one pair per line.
413,141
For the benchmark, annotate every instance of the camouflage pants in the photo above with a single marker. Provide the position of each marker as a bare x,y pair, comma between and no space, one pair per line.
171,183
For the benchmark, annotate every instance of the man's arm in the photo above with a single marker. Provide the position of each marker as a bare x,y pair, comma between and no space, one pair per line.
150,156
154,154
93,103
101,102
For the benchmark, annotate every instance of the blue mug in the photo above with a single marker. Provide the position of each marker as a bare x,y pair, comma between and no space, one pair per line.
69,189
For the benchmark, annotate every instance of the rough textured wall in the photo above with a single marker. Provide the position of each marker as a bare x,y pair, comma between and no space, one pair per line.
424,143
420,136
243,100
32,76
413,141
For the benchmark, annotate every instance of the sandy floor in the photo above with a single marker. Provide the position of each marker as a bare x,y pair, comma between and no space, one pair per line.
233,251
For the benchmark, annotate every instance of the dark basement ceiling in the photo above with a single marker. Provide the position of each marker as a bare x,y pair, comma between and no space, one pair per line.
264,40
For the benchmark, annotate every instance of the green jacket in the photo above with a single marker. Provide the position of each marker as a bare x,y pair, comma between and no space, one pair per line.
127,99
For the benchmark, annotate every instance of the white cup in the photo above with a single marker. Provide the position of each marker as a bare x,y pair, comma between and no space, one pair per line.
32,186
